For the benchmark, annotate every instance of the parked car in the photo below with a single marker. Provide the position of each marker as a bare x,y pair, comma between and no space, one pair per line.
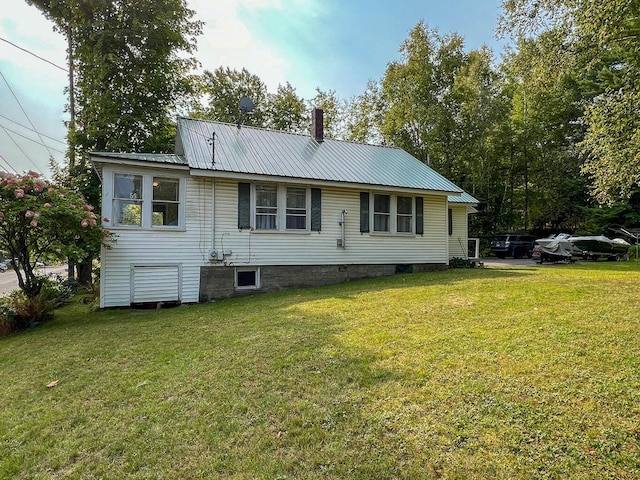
3,267
516,245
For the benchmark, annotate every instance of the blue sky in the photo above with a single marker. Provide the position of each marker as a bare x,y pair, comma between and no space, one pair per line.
330,44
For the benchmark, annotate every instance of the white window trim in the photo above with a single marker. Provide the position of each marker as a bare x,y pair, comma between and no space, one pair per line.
412,231
147,199
393,221
281,215
247,287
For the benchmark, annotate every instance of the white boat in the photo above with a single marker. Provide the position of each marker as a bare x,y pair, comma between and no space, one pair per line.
596,246
556,248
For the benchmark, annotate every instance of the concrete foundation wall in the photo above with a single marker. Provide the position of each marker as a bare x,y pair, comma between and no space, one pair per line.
217,282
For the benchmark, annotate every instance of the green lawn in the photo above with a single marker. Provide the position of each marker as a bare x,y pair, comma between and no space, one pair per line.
484,373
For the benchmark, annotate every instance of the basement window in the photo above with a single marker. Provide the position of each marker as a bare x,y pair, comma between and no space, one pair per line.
247,278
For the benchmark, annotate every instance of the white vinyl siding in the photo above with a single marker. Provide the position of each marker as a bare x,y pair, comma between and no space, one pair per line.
205,197
459,231
318,248
138,247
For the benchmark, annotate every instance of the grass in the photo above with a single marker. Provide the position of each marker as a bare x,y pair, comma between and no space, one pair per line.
483,373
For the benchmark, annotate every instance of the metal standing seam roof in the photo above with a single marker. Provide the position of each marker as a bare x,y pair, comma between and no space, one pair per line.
465,198
250,150
165,158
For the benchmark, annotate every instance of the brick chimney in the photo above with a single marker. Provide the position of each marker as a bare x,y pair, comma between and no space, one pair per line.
317,124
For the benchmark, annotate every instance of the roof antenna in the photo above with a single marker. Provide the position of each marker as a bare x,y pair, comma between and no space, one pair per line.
212,141
245,107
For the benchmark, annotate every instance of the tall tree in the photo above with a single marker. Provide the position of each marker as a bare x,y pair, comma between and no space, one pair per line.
224,87
607,33
417,93
545,115
287,111
479,155
448,109
365,114
132,66
334,112
132,63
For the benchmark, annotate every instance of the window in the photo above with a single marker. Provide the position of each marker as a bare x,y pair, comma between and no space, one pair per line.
266,207
296,208
166,201
381,213
247,278
391,213
147,201
450,222
405,214
278,207
127,199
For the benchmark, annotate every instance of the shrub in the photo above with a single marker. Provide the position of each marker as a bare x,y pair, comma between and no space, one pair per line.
7,319
457,262
18,311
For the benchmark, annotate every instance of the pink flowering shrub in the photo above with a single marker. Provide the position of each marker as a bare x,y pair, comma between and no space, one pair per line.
42,220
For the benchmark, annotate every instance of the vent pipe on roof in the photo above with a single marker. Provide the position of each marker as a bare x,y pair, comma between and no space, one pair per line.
317,124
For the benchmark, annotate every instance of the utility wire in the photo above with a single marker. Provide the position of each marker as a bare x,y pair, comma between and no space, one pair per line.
31,139
24,126
25,113
31,53
8,164
20,148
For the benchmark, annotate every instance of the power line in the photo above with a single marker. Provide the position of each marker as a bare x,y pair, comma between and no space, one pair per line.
31,139
31,53
25,113
7,163
20,148
24,126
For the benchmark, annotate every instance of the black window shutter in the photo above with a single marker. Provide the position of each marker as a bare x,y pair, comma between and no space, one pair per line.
419,215
450,222
244,205
364,212
316,209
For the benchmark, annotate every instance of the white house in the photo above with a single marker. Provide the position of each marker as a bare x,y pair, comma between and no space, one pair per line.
239,209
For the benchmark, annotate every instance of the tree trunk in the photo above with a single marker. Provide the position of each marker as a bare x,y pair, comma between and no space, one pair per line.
85,271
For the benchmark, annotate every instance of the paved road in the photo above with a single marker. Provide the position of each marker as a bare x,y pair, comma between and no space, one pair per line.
9,280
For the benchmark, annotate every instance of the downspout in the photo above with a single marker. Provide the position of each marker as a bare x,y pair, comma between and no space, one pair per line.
446,232
343,238
213,218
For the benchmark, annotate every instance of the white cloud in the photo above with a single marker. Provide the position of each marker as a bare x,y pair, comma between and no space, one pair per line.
38,88
28,28
228,41
237,34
